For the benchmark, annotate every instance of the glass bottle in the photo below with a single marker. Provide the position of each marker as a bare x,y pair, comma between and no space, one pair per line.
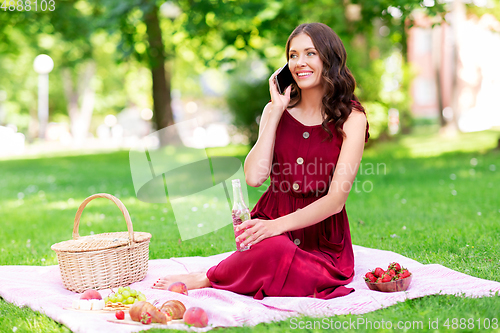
240,212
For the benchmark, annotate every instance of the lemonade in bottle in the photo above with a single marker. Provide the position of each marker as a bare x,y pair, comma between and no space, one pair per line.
240,212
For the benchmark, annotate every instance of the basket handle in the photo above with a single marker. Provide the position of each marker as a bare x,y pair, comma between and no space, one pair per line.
117,202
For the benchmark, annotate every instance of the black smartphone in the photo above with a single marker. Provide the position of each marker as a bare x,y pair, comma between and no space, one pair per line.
284,79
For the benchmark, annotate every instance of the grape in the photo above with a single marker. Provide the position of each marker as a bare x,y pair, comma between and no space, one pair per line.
125,295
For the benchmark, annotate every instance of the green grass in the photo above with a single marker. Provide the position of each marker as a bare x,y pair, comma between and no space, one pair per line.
433,199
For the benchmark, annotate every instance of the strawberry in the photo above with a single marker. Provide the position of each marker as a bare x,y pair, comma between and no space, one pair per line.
391,272
395,266
378,272
386,278
146,318
369,277
379,280
404,274
120,315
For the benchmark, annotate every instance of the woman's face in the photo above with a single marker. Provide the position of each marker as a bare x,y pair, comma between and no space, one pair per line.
304,62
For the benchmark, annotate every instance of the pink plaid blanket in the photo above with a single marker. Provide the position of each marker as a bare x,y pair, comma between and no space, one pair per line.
41,289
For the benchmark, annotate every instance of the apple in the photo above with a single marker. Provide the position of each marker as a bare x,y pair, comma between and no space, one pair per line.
90,300
178,287
196,317
91,294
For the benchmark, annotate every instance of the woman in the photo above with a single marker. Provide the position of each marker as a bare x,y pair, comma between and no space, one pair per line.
311,141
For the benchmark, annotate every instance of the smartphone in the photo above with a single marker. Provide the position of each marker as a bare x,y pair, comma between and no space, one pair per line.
284,79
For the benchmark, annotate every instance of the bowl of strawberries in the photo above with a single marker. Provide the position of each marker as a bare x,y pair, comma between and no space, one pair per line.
395,278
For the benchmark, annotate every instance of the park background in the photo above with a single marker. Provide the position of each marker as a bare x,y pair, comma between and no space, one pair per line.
427,75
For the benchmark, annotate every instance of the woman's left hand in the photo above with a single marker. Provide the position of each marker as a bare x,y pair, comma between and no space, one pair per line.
256,230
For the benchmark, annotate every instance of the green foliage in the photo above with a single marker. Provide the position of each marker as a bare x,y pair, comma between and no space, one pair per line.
19,82
492,8
246,99
227,33
367,49
207,34
68,35
376,114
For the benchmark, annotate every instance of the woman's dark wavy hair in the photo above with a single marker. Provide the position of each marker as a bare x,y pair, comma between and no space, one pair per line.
340,83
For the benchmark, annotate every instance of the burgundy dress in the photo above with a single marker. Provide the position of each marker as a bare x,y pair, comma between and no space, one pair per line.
315,261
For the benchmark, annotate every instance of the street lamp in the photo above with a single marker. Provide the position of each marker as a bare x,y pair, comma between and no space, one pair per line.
43,65
170,10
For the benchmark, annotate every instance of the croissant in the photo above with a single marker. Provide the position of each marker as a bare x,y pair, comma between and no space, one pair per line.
139,308
174,309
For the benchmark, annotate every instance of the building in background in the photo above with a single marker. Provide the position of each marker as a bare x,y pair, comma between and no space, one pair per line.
457,69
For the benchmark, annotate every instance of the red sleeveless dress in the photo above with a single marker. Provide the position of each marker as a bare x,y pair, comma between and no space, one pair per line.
316,261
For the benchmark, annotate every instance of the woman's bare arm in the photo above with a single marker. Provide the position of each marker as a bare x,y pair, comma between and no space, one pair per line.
258,161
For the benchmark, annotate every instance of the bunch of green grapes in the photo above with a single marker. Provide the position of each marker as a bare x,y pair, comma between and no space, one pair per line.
125,295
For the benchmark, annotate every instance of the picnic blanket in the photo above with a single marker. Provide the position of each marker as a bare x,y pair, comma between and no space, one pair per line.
41,289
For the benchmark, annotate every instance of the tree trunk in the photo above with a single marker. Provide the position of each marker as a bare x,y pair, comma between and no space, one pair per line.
437,51
87,94
458,11
163,114
80,116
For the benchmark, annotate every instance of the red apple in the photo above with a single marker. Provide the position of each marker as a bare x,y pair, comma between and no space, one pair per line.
91,294
196,317
178,287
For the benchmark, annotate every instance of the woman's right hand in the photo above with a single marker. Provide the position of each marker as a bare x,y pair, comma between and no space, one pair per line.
278,102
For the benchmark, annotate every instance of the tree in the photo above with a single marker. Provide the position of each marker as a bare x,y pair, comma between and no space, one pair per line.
74,24
70,30
221,33
227,34
81,100
161,79
146,45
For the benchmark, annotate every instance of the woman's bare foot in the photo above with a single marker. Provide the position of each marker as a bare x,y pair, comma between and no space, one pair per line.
194,280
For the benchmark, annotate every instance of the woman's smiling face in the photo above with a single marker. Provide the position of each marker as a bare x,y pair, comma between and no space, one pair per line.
305,63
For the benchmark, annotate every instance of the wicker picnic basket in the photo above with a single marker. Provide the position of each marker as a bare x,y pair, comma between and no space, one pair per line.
104,260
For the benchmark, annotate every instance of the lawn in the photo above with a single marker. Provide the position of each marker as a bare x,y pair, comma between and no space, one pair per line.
429,198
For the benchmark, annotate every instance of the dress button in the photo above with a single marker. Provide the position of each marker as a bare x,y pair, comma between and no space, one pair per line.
305,135
295,186
296,241
300,160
